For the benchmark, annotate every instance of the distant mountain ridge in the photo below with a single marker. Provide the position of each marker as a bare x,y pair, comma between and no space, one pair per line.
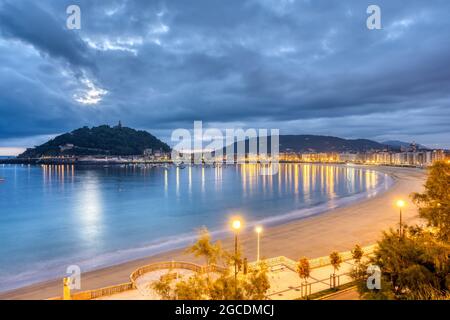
101,140
316,143
402,144
124,141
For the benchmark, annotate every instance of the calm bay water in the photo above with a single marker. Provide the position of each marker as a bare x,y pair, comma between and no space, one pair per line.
55,216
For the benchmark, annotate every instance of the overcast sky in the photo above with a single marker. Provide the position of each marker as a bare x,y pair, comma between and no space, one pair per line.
302,66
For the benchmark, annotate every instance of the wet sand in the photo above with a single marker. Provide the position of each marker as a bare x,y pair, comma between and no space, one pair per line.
339,229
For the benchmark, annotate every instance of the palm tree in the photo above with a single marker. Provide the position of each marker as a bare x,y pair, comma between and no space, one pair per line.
357,254
303,269
335,260
204,248
163,287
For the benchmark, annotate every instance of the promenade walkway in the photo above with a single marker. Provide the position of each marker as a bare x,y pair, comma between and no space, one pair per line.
285,283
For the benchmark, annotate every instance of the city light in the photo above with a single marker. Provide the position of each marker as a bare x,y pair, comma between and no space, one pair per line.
258,229
400,203
236,224
410,157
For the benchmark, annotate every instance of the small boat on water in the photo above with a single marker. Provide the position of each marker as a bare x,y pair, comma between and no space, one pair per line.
2,179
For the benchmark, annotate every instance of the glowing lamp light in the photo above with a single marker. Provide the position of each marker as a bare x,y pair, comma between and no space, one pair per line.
400,203
258,229
236,224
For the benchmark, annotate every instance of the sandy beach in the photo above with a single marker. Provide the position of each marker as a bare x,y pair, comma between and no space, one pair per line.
339,229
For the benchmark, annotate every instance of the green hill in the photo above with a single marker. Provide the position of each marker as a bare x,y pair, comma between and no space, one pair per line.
315,143
102,140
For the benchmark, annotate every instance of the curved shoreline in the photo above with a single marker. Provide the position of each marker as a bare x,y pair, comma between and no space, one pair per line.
50,270
42,271
312,236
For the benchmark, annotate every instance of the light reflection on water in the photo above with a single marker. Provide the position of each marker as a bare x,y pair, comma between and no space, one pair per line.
54,216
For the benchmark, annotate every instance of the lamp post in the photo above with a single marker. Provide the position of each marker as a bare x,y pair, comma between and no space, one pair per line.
66,289
400,205
236,225
258,231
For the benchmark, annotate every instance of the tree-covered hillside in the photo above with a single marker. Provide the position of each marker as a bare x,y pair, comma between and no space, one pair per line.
102,140
314,143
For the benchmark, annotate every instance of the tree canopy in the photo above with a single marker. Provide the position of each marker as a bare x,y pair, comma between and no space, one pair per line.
223,285
101,140
303,268
417,264
434,202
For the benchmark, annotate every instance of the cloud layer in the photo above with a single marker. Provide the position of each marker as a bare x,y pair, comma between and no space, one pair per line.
298,65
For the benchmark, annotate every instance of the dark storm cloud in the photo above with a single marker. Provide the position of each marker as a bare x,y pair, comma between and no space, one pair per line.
301,66
32,24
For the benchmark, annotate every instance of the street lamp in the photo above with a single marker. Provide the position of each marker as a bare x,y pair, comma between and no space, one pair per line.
258,231
236,225
400,205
